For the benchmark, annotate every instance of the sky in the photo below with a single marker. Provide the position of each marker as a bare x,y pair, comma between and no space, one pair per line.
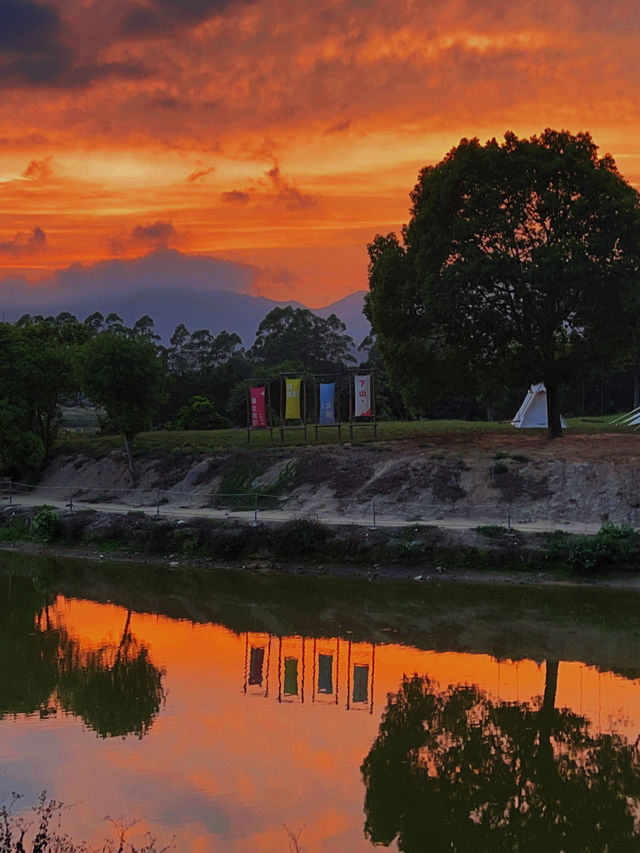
279,135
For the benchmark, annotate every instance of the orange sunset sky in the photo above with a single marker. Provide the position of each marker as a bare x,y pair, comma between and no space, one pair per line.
279,134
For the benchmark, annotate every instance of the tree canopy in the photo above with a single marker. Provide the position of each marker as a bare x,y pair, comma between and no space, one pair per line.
456,770
125,376
520,264
298,335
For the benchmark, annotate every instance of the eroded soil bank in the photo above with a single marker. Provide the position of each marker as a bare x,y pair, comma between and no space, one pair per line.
584,478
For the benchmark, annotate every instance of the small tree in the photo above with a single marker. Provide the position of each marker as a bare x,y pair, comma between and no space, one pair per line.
520,264
124,376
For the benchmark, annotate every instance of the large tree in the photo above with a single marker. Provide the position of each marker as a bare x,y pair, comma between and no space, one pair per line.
520,264
125,376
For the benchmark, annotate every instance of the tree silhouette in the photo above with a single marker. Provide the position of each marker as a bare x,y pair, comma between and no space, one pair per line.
115,689
28,652
454,770
519,265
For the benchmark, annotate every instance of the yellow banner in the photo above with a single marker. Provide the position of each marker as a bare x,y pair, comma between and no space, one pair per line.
292,409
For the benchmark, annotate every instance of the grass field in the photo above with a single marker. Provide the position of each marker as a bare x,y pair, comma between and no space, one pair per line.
416,432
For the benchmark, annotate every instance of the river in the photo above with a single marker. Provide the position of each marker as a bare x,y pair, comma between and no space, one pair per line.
249,712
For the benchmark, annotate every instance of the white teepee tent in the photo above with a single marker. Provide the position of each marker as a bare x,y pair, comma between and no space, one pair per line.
630,419
532,414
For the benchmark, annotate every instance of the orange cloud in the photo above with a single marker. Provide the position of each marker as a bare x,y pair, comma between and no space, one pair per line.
279,126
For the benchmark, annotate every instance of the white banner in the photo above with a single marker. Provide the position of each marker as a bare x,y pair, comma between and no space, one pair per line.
363,396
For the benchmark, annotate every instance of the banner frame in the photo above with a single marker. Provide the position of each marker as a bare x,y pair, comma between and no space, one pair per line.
254,383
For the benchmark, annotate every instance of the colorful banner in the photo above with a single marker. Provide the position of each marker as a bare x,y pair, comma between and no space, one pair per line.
292,390
258,407
327,397
363,396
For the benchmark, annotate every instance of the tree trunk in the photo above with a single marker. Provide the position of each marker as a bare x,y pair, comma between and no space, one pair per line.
126,636
547,769
132,470
554,424
550,685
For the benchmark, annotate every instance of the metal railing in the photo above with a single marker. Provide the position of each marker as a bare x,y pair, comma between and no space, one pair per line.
378,511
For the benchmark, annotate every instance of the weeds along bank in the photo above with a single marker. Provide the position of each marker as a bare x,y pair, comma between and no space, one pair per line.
421,552
586,479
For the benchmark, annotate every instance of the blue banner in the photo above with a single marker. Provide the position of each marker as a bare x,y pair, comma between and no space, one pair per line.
327,396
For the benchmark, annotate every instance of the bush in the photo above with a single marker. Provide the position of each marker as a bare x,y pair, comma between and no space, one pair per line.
612,547
43,833
492,531
299,537
45,525
200,413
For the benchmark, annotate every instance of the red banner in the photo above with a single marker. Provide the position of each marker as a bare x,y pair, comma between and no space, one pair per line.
258,407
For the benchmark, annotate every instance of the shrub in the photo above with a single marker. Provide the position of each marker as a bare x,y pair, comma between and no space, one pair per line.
45,525
300,537
613,546
492,531
200,413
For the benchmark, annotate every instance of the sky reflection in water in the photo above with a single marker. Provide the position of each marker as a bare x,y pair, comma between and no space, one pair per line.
219,737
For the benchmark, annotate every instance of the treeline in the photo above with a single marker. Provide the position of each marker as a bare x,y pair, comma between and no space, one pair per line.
198,381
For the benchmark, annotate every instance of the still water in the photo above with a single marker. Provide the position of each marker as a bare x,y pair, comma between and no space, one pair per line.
226,712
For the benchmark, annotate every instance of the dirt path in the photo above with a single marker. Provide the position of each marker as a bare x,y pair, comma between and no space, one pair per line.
368,518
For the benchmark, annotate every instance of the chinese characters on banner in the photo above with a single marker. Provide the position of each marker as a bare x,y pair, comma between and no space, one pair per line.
362,396
258,407
327,396
292,408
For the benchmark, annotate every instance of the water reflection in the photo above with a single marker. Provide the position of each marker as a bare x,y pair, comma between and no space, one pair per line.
295,659
456,770
253,710
114,689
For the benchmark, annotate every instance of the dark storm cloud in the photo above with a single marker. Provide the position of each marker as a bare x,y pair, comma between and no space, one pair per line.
160,17
27,26
33,53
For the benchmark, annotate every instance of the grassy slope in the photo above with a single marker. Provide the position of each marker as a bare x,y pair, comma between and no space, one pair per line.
208,441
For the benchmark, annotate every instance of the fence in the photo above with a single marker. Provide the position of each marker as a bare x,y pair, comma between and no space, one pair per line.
378,511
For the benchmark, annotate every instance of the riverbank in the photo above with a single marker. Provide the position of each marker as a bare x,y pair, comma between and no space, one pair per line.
417,552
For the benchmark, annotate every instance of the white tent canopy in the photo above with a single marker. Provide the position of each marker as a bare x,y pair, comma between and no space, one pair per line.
630,419
532,414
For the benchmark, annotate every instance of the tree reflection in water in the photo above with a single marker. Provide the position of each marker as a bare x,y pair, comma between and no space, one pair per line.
114,688
454,770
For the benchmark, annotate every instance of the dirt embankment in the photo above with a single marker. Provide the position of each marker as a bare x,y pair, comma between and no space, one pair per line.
586,478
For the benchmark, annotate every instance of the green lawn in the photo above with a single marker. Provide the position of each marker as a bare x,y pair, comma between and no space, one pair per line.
208,441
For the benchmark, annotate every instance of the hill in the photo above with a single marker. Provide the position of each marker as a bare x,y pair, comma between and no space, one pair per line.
172,288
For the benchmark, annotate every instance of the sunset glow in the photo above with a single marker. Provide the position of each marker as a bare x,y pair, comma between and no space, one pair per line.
278,134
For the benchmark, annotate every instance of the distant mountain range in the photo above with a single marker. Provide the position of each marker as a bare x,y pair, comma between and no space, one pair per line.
171,288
